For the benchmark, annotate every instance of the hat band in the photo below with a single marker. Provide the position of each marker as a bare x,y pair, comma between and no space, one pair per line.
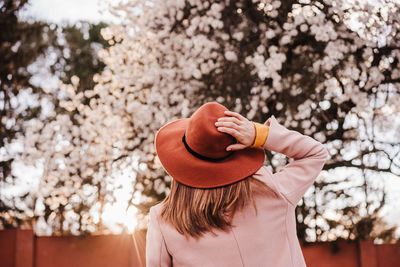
197,155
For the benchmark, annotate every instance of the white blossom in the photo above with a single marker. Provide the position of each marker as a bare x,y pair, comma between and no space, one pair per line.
155,74
231,56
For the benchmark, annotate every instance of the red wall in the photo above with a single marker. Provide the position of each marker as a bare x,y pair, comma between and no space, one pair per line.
93,251
7,248
20,248
343,254
388,255
16,248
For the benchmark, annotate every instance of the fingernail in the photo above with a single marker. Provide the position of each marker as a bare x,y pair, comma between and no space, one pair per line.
228,149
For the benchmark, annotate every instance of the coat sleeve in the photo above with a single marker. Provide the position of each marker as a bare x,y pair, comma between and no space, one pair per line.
156,251
309,157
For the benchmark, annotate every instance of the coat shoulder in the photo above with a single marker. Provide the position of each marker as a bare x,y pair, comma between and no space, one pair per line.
155,210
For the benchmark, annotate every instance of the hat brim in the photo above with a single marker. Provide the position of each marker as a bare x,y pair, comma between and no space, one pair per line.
181,165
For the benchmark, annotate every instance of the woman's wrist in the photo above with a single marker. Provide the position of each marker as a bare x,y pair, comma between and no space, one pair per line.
261,134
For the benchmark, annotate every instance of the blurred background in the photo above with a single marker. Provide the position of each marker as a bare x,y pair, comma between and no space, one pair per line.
85,85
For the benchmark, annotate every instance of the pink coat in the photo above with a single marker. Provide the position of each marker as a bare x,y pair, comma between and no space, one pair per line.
266,239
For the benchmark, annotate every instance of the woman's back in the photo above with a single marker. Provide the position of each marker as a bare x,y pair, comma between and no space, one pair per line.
253,240
267,238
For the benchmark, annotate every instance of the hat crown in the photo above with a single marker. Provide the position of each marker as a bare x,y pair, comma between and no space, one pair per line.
202,135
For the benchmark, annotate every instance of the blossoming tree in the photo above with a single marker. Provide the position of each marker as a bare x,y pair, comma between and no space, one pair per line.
328,69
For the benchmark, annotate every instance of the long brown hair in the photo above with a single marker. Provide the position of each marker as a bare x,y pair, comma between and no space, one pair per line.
194,211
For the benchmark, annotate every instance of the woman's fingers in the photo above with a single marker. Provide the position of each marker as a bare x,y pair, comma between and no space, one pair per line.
230,131
234,114
227,124
237,126
230,119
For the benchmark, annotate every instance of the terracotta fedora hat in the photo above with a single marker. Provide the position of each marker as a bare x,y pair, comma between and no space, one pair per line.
193,151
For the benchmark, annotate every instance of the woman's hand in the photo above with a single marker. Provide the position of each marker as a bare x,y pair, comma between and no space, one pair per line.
239,127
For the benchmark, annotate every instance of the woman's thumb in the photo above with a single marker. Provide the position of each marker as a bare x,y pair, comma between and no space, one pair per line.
235,147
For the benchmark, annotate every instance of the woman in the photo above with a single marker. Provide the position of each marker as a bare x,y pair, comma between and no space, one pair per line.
225,208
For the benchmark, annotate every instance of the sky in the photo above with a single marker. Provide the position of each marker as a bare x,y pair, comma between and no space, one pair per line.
71,11
59,11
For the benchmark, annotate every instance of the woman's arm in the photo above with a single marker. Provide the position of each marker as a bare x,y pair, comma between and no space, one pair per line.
309,155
